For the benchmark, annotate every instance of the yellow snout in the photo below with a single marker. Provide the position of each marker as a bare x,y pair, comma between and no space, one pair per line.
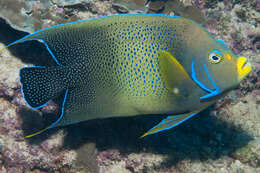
243,68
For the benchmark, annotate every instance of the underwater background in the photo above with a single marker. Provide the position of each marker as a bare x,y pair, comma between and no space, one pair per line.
222,139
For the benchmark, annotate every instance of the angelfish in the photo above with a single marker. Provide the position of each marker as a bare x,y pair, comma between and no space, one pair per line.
127,65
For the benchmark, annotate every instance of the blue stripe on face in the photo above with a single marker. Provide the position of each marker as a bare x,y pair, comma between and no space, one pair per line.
222,42
211,92
193,75
214,93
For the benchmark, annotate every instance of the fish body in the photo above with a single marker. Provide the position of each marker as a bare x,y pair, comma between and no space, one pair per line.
127,65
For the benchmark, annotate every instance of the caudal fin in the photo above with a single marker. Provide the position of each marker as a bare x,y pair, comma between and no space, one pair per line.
41,84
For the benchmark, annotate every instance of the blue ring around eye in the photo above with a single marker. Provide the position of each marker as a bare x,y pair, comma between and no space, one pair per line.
217,52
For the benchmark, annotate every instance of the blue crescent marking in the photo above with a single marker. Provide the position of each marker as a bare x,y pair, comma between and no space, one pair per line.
212,93
217,52
222,42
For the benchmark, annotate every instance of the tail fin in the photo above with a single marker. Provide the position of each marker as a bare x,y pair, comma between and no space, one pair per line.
41,84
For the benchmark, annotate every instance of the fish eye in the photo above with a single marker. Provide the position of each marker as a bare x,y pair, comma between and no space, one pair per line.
215,57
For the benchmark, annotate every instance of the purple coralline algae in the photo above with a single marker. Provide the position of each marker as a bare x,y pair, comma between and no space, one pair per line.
130,5
224,138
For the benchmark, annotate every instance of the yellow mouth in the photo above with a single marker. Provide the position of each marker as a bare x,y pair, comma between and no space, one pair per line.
243,68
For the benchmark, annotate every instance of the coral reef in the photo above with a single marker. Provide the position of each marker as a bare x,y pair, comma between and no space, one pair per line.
236,23
33,15
130,5
16,154
69,2
182,8
224,138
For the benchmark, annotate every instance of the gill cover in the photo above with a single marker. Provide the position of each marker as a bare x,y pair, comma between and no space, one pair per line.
173,73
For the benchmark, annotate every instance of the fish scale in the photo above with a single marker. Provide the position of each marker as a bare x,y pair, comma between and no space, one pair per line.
137,64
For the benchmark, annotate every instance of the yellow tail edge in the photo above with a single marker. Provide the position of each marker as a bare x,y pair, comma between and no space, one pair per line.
37,133
11,44
144,135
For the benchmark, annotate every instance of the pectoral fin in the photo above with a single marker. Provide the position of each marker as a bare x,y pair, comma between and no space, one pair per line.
173,73
169,122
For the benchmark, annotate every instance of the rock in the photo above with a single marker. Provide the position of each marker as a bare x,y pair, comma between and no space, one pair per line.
131,5
184,8
69,2
32,15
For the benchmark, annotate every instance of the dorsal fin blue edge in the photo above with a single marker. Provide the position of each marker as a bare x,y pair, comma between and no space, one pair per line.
222,42
83,20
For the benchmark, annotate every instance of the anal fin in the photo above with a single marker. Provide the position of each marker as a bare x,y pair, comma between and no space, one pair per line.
54,123
169,122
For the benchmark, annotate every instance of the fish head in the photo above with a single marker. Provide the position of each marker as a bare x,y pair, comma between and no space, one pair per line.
217,69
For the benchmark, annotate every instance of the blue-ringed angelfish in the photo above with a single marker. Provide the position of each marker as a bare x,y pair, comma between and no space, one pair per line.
127,65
